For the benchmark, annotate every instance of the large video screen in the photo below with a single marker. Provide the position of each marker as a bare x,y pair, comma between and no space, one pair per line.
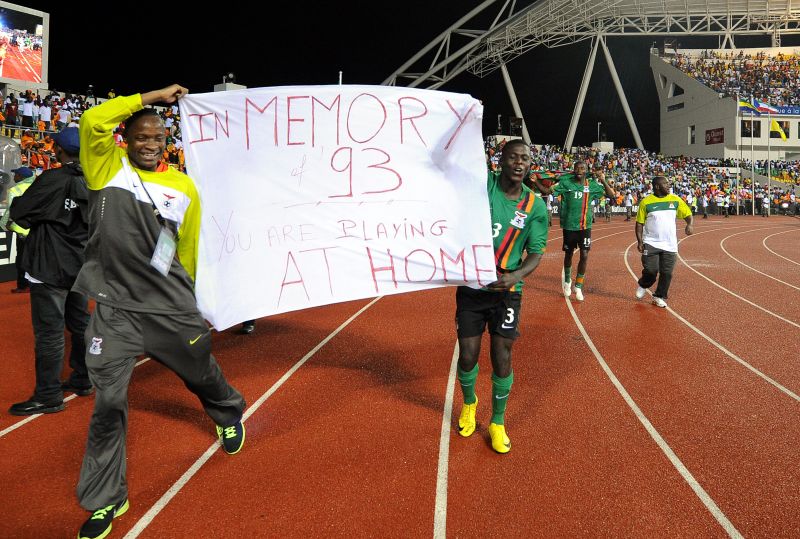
23,44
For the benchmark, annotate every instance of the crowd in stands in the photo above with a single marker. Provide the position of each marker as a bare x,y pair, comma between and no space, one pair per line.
694,179
771,79
33,118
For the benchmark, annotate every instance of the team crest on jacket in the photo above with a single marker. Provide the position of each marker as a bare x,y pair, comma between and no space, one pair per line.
167,200
95,349
519,219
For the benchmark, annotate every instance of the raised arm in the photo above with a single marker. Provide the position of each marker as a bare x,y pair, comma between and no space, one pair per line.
610,192
537,183
170,94
100,156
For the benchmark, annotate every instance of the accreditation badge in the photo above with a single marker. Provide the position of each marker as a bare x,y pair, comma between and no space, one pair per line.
164,253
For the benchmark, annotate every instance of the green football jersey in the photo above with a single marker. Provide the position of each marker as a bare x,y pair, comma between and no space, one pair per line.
517,225
576,202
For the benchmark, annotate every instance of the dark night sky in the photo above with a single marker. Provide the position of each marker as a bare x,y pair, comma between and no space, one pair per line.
295,43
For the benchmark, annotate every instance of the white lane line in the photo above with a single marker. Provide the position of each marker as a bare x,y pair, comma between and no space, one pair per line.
722,245
710,504
764,243
724,350
162,502
626,228
732,293
440,506
28,419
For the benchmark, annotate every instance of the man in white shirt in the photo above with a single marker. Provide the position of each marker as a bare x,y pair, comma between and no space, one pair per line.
63,118
27,111
657,239
45,115
628,206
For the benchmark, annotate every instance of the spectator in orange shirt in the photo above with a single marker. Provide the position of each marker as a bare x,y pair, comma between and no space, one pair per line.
47,144
27,141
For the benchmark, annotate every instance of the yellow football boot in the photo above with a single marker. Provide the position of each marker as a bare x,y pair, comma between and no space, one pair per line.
500,441
466,421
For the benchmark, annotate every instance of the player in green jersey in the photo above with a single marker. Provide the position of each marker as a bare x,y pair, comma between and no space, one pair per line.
577,191
519,224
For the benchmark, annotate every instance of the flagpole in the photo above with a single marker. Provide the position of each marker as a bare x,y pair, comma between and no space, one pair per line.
752,157
738,176
769,167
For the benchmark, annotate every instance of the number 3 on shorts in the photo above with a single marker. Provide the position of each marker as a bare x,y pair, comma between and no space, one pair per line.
509,316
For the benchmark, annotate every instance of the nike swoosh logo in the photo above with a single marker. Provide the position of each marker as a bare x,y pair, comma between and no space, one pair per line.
498,397
192,341
503,326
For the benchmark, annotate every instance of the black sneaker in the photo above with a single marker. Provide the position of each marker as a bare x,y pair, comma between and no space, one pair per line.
232,437
31,407
248,327
99,524
81,391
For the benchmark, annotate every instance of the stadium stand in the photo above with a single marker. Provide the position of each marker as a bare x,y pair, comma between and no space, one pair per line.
770,78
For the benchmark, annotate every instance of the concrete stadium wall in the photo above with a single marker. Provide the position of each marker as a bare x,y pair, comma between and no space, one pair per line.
703,108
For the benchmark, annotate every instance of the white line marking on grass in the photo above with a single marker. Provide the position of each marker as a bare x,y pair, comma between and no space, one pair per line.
722,246
734,294
764,242
712,507
724,350
440,507
162,502
28,419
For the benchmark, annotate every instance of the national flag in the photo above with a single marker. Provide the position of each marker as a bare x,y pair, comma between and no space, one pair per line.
764,107
776,128
745,106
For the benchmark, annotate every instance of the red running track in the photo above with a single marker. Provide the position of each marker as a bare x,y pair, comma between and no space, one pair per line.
652,430
26,65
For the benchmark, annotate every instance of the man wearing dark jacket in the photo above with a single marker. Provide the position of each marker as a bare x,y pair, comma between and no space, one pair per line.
55,208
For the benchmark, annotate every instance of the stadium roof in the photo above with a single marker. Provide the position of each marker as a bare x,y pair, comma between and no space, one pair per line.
552,23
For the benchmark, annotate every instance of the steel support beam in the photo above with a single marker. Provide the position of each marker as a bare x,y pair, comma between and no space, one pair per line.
621,94
514,102
576,114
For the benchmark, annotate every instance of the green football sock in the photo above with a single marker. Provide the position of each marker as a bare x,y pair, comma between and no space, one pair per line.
567,274
501,388
467,381
579,281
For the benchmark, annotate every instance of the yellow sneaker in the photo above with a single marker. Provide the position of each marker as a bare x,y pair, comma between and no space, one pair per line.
500,441
466,421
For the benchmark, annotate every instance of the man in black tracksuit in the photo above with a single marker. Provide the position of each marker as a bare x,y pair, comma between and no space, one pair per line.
141,262
55,208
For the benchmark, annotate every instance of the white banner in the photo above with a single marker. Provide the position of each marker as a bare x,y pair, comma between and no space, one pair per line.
320,194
